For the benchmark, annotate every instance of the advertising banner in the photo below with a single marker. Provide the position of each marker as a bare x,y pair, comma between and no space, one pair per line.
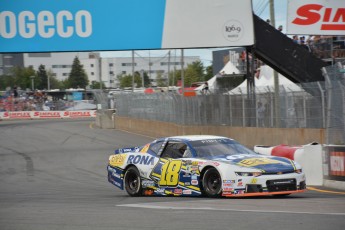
47,114
85,25
316,17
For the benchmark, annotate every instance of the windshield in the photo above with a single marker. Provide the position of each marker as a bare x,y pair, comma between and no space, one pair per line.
219,147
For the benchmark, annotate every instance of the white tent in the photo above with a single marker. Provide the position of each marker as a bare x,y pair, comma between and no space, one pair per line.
265,83
229,68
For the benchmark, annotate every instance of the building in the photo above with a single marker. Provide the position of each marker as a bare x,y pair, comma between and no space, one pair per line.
10,60
60,64
154,67
107,69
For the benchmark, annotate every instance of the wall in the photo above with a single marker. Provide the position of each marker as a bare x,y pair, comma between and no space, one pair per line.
248,136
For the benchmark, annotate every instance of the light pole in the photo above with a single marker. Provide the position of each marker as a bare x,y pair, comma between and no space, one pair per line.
142,77
32,83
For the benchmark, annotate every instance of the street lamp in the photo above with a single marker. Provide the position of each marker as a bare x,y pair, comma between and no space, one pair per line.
32,82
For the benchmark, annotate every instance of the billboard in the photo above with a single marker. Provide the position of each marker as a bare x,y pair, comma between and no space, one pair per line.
85,25
316,17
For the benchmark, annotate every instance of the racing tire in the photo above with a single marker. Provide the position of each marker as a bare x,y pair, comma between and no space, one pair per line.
132,181
212,183
281,195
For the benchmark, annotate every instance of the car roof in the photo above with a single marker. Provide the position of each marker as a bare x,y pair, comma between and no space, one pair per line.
197,137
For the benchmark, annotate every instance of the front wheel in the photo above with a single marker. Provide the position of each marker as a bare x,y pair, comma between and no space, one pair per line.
212,183
133,182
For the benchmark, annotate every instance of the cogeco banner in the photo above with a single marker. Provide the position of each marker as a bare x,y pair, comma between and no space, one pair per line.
83,25
317,17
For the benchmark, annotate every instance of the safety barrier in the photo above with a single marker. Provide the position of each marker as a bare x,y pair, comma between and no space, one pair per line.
308,156
47,114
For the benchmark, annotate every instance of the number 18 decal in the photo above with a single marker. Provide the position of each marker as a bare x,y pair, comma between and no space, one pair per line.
170,173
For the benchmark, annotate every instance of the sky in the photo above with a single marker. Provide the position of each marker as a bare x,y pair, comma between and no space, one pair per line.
260,8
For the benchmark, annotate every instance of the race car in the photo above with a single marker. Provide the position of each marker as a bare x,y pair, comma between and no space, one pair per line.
202,165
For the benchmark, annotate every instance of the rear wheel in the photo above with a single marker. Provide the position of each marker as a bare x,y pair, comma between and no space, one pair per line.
133,182
212,183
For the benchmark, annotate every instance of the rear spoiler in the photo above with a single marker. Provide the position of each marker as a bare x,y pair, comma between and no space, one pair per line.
127,150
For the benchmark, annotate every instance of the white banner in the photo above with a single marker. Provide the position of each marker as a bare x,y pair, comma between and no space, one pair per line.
65,25
47,114
316,17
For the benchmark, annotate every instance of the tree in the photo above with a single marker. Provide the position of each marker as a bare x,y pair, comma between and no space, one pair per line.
96,85
209,73
42,78
194,73
54,83
137,80
125,81
21,77
77,77
161,82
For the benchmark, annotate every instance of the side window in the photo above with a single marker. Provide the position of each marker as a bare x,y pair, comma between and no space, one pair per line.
174,150
156,147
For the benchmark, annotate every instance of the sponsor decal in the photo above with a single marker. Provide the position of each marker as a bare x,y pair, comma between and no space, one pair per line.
46,24
254,180
328,18
228,185
17,115
187,192
138,159
117,160
74,114
145,148
228,189
148,183
233,30
337,163
239,192
194,177
160,190
47,114
195,182
239,183
178,191
187,183
227,193
252,162
229,181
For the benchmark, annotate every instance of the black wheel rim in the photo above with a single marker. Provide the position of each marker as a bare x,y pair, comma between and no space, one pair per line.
213,183
133,182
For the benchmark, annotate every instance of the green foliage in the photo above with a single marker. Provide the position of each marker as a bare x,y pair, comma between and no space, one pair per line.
125,81
137,80
42,78
161,82
209,73
97,85
19,77
77,77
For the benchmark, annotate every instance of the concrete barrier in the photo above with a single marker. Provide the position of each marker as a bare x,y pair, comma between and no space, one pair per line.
105,119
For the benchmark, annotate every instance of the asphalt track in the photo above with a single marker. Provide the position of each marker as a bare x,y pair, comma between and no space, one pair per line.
53,176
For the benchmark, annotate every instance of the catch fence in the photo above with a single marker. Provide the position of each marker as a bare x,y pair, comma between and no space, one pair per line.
303,109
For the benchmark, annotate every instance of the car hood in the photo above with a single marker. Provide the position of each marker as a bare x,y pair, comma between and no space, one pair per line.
266,164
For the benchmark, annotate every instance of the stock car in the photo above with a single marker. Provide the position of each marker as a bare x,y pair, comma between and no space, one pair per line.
202,165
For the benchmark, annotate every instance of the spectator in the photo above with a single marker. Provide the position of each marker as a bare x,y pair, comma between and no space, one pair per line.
261,114
280,28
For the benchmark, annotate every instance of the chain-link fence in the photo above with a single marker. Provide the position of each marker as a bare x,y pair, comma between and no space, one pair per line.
335,88
297,109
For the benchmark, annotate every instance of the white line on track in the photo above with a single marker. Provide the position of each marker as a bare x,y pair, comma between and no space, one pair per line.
222,209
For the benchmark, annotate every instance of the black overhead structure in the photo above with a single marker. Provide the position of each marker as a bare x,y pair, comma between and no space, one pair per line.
278,51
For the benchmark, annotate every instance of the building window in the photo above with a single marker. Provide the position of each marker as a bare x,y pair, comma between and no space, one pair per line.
65,74
92,73
128,64
123,72
111,72
111,64
91,65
